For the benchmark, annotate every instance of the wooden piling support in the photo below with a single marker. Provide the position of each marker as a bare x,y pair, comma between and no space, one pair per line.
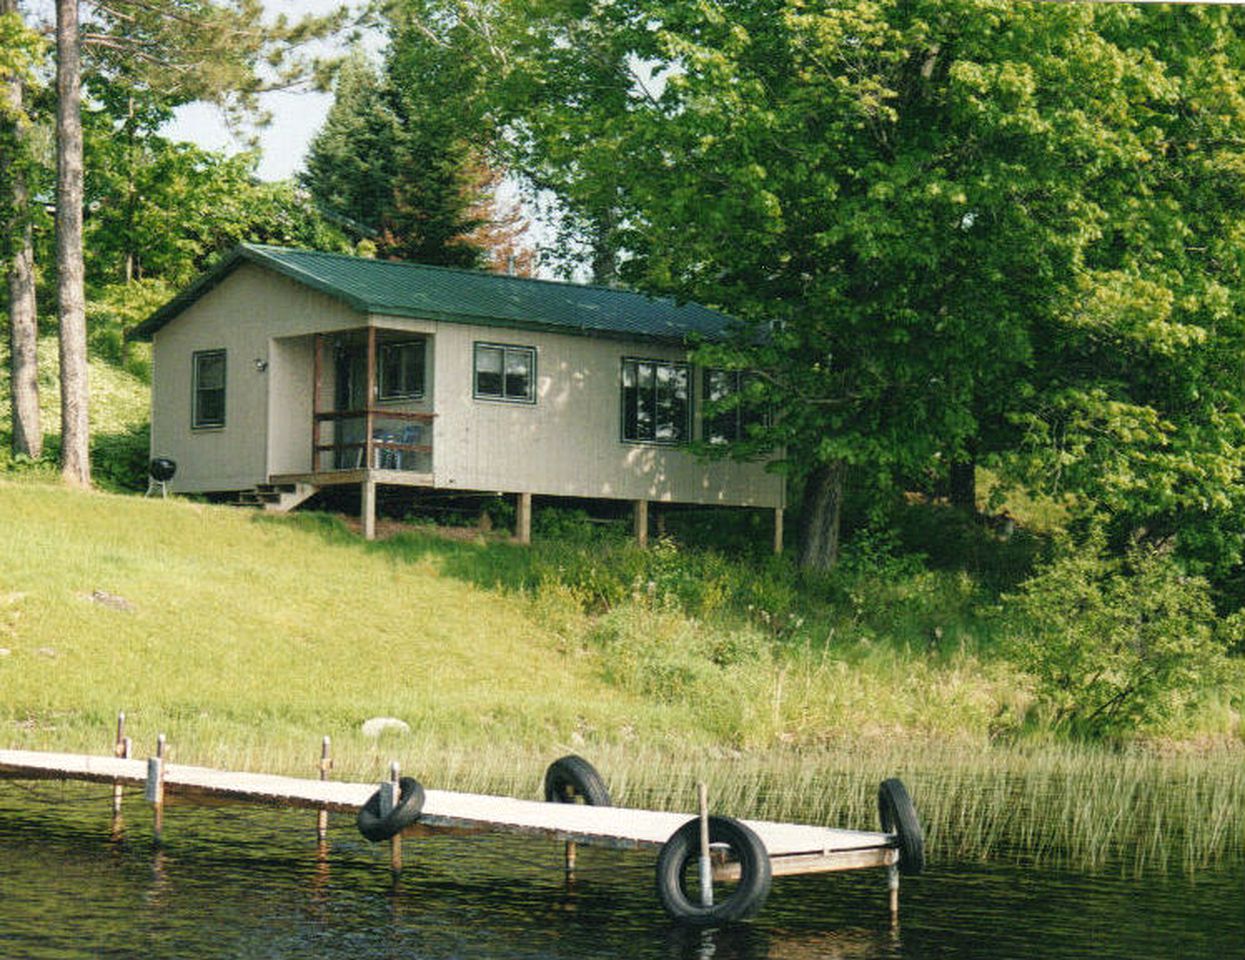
322,818
155,787
118,750
571,853
523,518
640,523
395,842
892,883
706,865
369,510
778,514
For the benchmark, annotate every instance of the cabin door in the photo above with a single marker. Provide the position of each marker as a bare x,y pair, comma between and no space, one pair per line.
350,393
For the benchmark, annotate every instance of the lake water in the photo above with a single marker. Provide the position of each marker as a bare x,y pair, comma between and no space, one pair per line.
236,882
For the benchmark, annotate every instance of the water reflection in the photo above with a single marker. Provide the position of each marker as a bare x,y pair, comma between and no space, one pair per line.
257,884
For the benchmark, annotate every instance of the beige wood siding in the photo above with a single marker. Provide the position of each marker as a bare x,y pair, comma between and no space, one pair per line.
250,309
569,442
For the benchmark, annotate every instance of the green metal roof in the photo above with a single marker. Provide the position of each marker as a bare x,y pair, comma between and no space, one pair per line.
462,296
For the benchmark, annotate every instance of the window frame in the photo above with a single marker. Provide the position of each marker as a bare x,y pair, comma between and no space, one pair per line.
386,345
506,348
688,417
197,420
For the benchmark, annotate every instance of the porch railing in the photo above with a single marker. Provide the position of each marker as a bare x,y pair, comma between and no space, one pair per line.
375,438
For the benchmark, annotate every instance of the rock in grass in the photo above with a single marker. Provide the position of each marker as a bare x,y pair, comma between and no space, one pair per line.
111,601
378,725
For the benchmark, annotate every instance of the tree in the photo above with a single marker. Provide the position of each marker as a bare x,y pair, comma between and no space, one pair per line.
166,54
407,152
352,162
19,52
909,206
75,457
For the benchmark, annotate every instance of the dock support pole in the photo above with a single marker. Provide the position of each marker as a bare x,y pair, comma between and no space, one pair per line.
706,866
120,749
892,883
369,510
155,787
640,523
395,793
570,860
523,519
322,818
777,531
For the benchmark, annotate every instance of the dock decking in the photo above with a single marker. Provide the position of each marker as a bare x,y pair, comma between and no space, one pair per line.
605,826
790,848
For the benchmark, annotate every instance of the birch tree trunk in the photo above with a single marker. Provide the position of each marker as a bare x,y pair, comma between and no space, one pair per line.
70,274
27,437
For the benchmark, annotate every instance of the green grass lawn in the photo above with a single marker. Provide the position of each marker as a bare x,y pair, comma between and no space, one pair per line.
250,639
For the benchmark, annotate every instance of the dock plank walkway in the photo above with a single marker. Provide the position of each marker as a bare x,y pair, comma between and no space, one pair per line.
607,826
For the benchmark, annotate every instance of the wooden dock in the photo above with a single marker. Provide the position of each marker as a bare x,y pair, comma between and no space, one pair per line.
790,848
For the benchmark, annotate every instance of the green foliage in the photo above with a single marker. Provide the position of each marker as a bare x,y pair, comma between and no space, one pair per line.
120,411
170,210
949,230
119,460
21,52
1116,644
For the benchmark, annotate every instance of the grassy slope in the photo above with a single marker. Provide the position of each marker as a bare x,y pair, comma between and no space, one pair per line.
120,401
251,637
252,632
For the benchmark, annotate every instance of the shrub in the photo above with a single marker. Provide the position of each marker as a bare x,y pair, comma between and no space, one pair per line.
1115,644
119,460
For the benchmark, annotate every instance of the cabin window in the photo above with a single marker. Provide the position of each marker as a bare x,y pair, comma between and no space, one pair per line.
401,370
504,372
727,425
656,404
209,389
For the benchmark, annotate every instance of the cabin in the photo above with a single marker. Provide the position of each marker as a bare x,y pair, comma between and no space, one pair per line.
283,372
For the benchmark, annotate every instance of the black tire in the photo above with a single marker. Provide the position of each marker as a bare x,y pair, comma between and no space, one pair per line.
574,778
898,816
406,811
682,851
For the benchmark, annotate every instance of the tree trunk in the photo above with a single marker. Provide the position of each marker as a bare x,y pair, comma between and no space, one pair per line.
963,483
71,305
23,331
604,249
820,513
23,312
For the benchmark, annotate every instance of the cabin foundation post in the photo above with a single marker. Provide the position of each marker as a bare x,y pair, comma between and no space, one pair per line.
523,518
369,510
892,883
322,817
778,531
640,523
155,787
